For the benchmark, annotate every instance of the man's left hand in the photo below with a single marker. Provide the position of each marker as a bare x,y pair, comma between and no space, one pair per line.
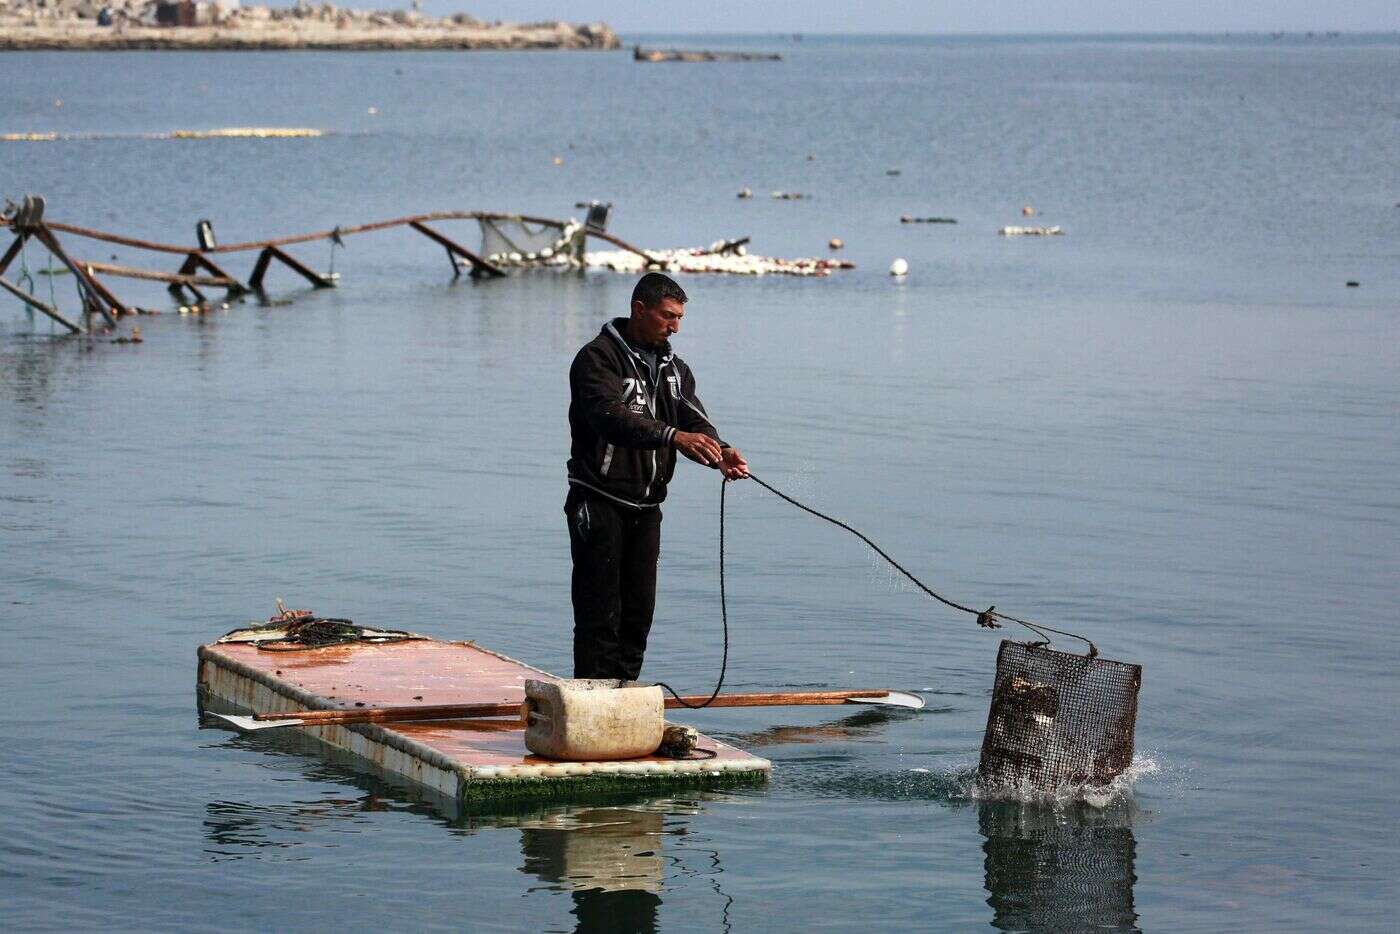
733,465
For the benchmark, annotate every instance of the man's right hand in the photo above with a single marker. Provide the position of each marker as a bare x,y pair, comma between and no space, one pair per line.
700,448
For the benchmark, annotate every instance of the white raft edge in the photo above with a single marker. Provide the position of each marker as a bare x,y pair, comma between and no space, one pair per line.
252,690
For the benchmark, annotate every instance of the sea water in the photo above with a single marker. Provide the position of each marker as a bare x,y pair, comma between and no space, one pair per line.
1173,428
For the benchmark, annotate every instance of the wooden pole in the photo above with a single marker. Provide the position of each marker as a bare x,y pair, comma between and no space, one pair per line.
398,714
33,302
180,278
467,711
480,266
158,247
255,279
15,246
270,253
618,241
104,293
42,233
783,699
199,260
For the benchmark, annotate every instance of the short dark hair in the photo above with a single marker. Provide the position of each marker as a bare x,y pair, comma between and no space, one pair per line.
653,287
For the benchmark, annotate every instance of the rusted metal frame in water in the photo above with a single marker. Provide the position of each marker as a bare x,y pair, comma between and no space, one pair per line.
480,267
15,246
618,241
97,295
410,220
158,247
21,235
33,302
153,275
270,253
196,260
105,293
243,247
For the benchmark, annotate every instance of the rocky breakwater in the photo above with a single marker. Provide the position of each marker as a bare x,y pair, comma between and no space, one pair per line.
225,24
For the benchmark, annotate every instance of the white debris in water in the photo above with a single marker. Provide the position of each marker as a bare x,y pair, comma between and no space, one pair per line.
1030,231
701,261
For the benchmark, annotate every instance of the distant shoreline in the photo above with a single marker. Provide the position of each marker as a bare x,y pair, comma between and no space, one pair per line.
309,34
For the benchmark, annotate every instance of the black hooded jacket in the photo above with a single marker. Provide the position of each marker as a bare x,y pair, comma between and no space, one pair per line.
622,422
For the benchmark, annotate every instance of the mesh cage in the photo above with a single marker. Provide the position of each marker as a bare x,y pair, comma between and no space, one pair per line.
1058,720
514,241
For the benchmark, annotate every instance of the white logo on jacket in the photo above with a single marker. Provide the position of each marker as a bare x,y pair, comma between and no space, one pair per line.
634,394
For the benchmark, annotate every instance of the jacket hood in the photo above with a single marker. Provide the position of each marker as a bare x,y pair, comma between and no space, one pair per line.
616,328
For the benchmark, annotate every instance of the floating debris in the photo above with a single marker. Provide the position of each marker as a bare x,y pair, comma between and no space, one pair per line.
678,55
737,246
246,132
791,196
233,132
737,263
892,172
909,219
1353,284
1030,231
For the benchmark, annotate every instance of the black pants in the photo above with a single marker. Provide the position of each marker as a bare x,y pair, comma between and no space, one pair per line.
614,585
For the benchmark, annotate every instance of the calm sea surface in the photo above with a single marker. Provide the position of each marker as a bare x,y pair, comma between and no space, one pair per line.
1173,428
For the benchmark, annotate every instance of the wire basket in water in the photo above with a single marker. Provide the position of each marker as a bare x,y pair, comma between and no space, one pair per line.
1057,720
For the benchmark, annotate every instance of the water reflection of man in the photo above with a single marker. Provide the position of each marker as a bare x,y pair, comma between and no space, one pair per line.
1052,870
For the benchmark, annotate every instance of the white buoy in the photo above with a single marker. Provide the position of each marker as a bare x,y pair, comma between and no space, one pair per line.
899,268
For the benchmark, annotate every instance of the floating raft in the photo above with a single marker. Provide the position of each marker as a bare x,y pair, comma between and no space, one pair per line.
456,759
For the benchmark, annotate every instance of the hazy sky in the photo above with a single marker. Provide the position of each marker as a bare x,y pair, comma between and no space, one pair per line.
938,16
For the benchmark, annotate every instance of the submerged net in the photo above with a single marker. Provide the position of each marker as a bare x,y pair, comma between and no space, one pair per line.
511,240
1057,720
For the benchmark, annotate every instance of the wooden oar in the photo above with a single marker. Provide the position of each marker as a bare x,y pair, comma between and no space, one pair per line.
267,721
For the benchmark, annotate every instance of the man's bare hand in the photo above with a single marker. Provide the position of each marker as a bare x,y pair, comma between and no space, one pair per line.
700,448
733,465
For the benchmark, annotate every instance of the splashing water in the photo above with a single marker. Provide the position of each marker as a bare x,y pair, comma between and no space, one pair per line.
1097,796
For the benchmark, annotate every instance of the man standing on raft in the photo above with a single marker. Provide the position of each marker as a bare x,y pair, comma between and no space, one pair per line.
632,407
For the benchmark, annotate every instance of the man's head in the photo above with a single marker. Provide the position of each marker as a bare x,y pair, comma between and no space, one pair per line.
657,306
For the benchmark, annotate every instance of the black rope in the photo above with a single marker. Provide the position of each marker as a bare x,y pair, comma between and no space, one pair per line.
723,615
313,632
987,618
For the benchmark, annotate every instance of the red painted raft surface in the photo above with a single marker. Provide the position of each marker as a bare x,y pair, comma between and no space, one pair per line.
461,759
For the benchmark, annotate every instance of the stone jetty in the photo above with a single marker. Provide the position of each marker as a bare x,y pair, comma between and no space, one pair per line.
225,24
